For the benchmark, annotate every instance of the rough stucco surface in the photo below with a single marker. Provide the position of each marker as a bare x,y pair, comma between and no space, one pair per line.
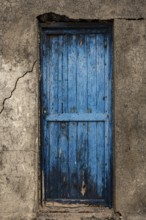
19,119
130,117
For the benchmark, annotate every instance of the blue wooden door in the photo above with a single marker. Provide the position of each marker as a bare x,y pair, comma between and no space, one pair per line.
76,114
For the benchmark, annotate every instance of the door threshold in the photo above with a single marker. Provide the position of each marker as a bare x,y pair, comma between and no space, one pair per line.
57,211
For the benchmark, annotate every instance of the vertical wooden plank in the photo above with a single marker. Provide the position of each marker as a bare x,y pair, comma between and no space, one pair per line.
63,127
44,99
63,178
110,159
65,75
82,159
92,161
108,128
92,73
60,73
54,68
82,107
72,74
72,108
91,99
100,129
81,74
73,176
100,73
53,127
100,108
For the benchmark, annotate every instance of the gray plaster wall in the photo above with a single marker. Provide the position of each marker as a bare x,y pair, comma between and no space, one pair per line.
19,106
130,117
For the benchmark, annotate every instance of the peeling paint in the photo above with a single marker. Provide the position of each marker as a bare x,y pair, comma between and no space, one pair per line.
83,188
60,152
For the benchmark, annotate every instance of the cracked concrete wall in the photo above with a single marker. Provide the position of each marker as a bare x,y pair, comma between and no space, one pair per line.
19,119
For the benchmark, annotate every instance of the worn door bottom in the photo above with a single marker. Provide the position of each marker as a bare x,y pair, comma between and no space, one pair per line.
78,201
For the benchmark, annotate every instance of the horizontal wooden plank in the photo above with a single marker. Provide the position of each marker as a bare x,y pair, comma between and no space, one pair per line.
77,201
77,117
77,25
52,32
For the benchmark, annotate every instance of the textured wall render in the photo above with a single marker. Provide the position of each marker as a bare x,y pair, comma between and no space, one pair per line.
130,117
19,119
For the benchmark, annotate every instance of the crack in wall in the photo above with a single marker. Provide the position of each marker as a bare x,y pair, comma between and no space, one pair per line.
130,19
53,17
15,86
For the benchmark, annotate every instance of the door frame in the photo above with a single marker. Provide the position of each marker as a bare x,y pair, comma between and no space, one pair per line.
60,26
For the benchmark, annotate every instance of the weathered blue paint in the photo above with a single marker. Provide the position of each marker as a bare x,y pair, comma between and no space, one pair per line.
76,114
77,117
